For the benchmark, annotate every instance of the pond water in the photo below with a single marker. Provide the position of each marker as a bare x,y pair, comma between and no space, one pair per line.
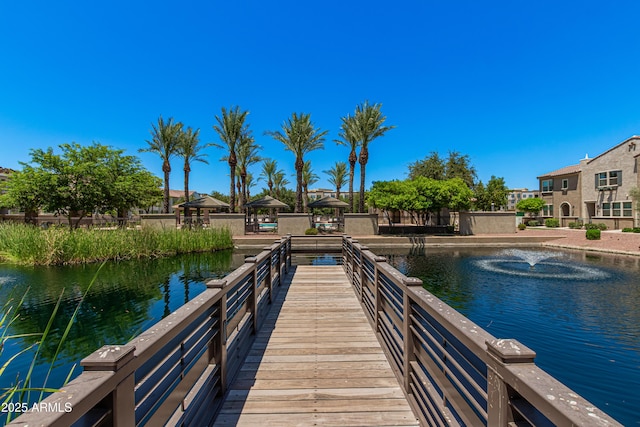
579,312
126,298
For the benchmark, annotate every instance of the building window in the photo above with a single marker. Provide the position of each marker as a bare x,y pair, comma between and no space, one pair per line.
547,185
627,209
565,184
608,179
616,209
547,210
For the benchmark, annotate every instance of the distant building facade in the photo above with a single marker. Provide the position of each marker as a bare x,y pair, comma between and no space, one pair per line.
596,190
319,193
517,194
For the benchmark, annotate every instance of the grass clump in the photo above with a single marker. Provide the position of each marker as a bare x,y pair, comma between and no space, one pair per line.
25,244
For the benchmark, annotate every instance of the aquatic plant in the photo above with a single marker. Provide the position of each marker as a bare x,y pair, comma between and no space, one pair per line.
26,244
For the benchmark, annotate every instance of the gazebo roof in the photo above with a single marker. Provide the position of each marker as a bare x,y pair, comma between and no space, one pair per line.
206,202
328,202
266,202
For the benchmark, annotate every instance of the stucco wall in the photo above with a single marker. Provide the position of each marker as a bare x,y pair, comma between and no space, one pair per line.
360,224
293,223
158,220
234,222
487,223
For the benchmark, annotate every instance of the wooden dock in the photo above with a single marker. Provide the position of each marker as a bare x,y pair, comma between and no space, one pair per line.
316,361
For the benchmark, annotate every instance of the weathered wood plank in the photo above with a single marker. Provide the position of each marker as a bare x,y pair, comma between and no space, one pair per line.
316,361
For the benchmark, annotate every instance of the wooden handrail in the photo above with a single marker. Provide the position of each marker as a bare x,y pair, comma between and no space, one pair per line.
453,371
176,371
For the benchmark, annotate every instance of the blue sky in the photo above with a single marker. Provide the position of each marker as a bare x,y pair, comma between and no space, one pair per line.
523,88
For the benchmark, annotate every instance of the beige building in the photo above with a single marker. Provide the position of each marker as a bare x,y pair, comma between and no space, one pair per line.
597,190
517,194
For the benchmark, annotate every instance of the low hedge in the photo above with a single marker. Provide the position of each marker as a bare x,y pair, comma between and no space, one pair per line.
552,222
593,234
631,230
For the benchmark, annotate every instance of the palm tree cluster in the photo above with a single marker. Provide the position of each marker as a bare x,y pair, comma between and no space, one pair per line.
169,139
298,134
358,131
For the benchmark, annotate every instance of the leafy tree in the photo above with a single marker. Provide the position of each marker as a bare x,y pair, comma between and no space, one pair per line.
189,148
368,125
218,195
232,128
435,167
299,136
531,205
348,138
493,196
164,142
459,166
395,195
81,181
431,167
23,191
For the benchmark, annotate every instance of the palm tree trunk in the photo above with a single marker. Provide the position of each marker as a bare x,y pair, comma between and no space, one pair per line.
364,157
232,187
299,166
187,213
166,191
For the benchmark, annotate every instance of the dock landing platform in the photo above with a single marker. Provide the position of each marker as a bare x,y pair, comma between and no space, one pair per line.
316,361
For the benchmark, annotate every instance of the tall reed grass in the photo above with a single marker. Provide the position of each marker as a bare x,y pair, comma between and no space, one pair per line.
26,244
19,394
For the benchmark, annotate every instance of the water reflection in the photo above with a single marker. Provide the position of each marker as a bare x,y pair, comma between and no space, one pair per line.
580,312
126,298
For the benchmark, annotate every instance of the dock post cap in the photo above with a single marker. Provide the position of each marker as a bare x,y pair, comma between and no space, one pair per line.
411,281
216,283
510,351
108,358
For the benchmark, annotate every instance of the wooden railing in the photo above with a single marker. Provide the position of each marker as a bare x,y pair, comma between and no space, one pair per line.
175,372
453,371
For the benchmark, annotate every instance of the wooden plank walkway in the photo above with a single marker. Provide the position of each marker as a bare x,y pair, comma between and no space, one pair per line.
316,361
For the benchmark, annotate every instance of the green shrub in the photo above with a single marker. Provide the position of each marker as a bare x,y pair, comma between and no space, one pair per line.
591,226
552,222
627,230
636,229
522,226
533,223
311,231
575,225
593,234
602,226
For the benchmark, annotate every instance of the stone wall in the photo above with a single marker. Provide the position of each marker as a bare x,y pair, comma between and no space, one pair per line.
360,224
487,223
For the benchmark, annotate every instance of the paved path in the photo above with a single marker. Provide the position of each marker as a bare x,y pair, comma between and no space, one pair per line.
316,361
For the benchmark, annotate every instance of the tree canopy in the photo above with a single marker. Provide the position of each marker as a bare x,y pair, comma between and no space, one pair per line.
80,181
435,167
531,205
494,195
420,196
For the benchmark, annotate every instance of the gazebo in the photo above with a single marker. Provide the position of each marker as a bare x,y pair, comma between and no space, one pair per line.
207,203
330,202
267,202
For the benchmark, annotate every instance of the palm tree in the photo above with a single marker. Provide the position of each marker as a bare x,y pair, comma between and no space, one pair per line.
164,142
231,128
368,122
247,155
337,175
349,138
300,137
268,174
308,178
269,169
280,182
189,149
249,183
